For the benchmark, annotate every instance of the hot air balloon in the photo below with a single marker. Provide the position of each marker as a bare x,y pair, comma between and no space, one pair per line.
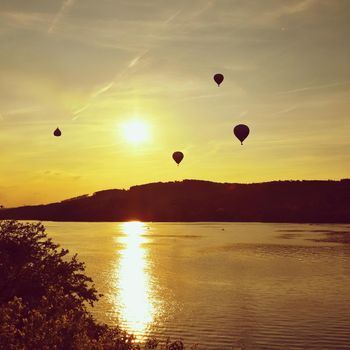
57,132
241,131
219,78
178,156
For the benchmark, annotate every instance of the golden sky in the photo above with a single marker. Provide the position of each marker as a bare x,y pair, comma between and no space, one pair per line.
90,66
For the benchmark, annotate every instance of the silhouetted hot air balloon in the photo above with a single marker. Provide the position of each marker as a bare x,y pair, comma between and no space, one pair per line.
219,78
178,156
241,131
57,132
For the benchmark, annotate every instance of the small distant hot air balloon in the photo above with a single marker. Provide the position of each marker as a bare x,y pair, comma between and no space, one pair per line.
178,156
57,132
219,78
241,131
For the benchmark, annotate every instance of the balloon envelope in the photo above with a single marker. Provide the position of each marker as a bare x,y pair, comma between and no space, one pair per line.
57,132
241,131
178,156
219,78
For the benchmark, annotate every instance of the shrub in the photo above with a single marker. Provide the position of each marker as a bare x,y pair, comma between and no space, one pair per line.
44,296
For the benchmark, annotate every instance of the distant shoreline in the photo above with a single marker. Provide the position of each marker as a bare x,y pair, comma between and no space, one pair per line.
307,202
193,222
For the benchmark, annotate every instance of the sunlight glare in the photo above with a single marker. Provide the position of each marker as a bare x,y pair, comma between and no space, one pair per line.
134,281
135,131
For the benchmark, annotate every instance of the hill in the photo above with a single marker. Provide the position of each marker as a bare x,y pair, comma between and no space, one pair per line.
194,200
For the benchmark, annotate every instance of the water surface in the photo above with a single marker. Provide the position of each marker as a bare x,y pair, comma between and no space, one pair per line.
222,285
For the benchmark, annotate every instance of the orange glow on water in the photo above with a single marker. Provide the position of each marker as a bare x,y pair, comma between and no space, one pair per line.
135,299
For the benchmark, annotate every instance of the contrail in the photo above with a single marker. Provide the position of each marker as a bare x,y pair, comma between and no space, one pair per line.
64,8
172,17
112,83
136,59
284,111
198,97
314,87
103,89
80,110
202,10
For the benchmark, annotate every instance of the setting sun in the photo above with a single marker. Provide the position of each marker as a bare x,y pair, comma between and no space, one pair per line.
135,131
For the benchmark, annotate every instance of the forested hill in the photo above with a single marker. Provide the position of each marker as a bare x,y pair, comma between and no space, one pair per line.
193,200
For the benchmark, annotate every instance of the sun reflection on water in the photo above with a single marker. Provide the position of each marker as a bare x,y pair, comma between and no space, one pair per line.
134,298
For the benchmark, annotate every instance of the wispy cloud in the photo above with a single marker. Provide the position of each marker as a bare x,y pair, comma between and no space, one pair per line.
172,17
203,9
103,89
289,10
141,55
137,59
57,173
80,110
67,4
285,110
23,110
198,97
269,16
300,6
243,114
132,63
315,87
31,20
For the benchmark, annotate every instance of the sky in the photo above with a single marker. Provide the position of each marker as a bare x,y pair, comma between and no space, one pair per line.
92,67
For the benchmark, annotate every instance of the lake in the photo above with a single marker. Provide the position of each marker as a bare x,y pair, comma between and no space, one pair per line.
222,285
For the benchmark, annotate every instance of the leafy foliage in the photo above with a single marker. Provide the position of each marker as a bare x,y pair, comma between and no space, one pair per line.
31,264
44,295
50,325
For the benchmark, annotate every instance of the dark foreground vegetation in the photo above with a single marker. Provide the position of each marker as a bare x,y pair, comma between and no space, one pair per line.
193,200
44,296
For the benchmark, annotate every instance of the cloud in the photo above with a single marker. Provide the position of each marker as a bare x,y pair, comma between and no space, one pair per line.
35,21
80,110
172,17
103,89
67,4
298,7
158,32
205,96
137,59
285,110
315,87
23,110
57,173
